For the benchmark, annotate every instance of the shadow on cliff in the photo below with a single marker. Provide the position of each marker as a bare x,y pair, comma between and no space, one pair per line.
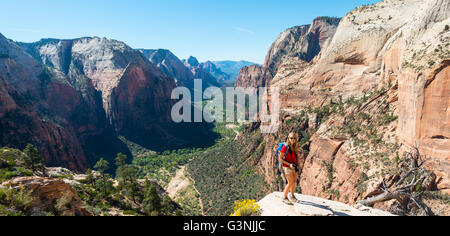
158,136
105,146
169,136
174,136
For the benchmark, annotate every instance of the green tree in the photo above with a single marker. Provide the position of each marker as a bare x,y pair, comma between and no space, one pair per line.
129,182
32,159
121,162
90,177
127,176
168,207
102,165
152,201
104,185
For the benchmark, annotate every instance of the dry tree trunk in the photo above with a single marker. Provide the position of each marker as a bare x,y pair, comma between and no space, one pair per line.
410,179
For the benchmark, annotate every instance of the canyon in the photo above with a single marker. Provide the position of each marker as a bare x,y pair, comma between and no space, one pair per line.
361,91
76,100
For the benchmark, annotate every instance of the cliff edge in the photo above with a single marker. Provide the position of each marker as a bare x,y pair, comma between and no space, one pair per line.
272,205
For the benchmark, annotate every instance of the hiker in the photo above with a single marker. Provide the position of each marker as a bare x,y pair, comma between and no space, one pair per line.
289,157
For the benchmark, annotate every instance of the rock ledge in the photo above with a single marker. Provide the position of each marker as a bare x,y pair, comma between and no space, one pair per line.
272,205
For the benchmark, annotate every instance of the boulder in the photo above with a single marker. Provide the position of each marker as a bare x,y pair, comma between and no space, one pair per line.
51,195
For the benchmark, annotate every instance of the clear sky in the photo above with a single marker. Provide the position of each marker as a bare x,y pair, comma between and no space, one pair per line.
207,29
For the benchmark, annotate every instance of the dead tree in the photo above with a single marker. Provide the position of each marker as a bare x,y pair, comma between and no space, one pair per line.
407,186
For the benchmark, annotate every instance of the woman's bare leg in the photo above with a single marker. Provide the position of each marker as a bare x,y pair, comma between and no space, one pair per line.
291,182
294,184
287,188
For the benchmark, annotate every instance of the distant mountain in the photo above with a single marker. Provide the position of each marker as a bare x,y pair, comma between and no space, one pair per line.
184,71
221,76
171,65
232,68
200,73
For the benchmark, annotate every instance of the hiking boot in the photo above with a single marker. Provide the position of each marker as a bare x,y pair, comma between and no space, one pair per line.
293,199
287,202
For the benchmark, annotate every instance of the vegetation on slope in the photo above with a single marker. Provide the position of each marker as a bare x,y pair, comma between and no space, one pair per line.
228,172
101,194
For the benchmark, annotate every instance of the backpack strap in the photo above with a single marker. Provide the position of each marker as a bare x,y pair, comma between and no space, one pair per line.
287,150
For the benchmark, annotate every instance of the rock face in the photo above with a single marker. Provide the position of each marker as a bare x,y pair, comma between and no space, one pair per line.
387,64
301,43
27,103
399,43
171,66
122,75
272,205
72,98
51,195
253,76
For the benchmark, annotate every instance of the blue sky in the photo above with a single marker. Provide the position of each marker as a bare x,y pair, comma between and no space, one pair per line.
207,29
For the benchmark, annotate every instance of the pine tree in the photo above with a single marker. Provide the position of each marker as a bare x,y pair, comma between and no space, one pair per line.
103,184
167,205
152,201
129,181
90,177
32,159
121,161
102,165
127,176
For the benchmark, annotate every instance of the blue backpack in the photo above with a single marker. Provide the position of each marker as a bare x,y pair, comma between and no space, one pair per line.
280,166
280,147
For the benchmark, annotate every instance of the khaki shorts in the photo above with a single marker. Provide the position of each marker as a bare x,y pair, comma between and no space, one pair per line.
289,171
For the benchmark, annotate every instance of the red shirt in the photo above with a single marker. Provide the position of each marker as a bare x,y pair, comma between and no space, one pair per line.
290,157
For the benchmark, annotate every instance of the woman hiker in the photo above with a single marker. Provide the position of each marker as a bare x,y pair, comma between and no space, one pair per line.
289,157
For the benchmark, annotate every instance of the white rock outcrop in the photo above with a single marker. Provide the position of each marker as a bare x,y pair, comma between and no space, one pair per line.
272,205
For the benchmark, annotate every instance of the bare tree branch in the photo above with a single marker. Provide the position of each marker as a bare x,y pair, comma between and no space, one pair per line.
410,179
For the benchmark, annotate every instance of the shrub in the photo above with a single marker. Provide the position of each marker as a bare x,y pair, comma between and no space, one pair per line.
15,201
246,208
130,213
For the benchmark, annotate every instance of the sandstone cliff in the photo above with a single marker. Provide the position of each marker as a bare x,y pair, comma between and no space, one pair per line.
72,98
300,43
171,66
122,75
26,108
303,42
378,87
253,76
399,45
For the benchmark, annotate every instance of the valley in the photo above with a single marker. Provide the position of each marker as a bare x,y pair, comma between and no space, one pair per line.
89,119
